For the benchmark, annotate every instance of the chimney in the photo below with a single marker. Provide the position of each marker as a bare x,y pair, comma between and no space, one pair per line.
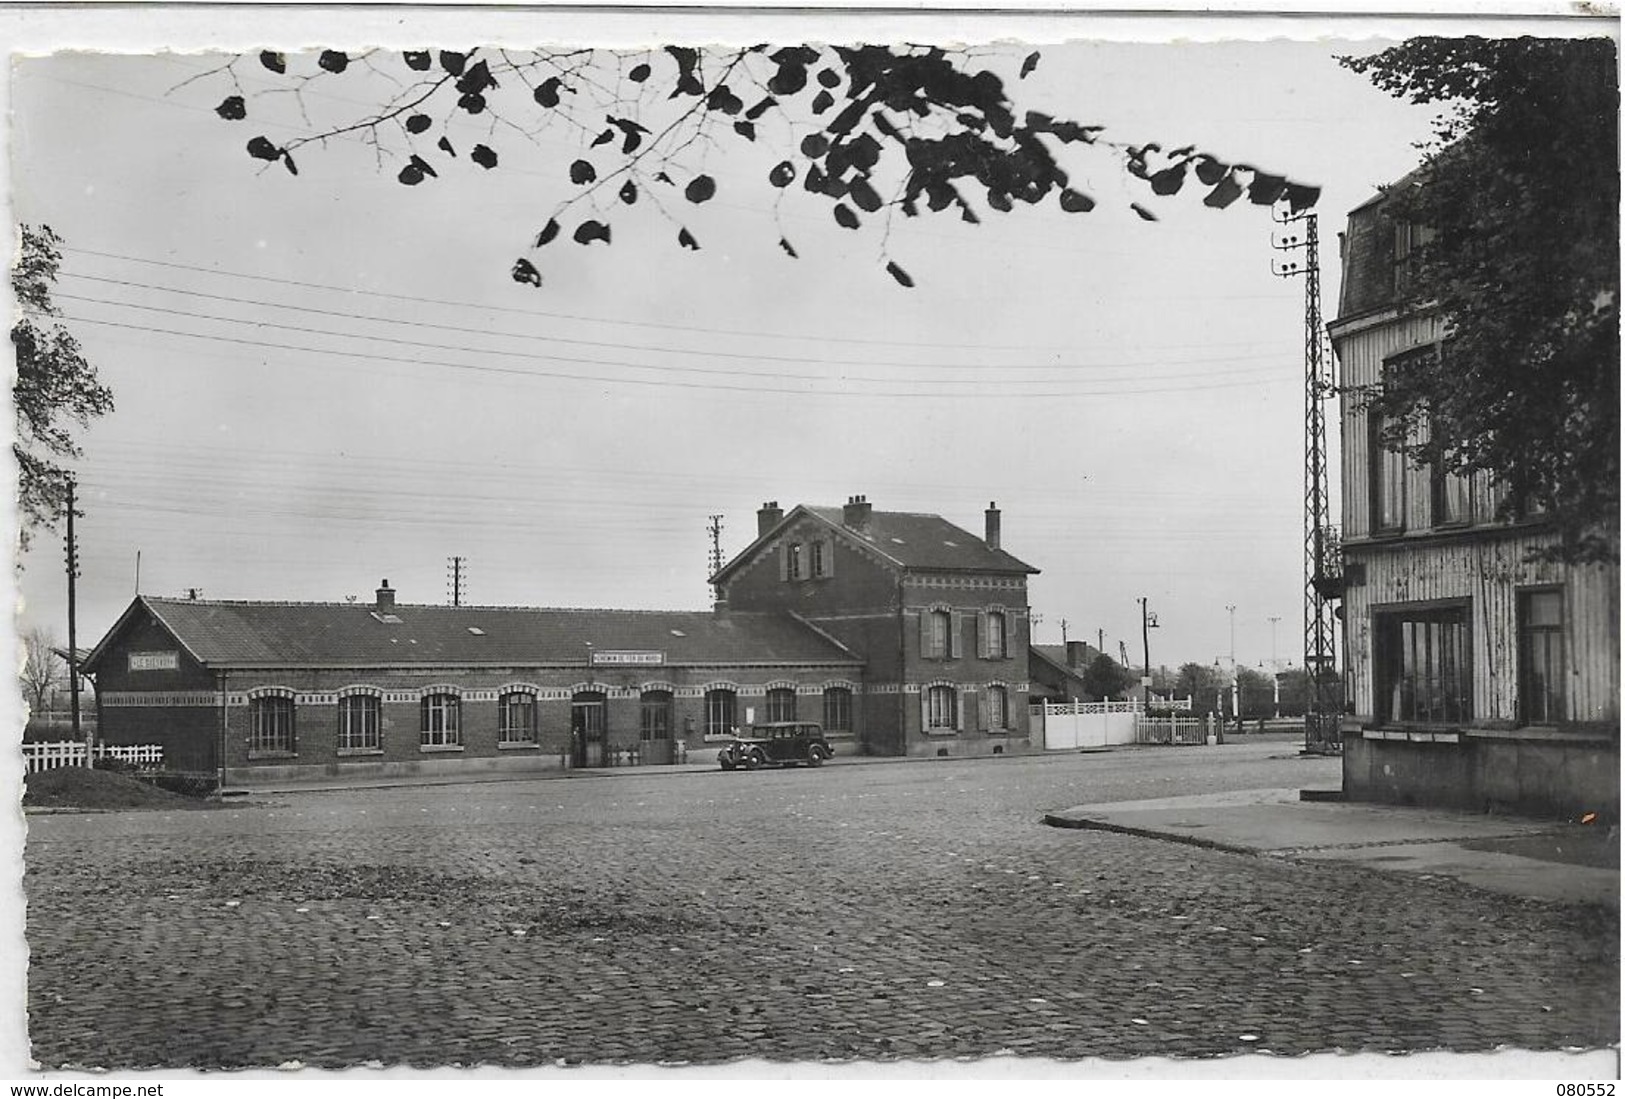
856,513
992,538
386,596
767,517
1076,653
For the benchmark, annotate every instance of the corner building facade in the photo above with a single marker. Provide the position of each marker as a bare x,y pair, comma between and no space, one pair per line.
938,615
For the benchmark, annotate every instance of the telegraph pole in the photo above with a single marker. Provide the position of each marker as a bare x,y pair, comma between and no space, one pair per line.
1148,620
456,580
73,616
1322,733
714,559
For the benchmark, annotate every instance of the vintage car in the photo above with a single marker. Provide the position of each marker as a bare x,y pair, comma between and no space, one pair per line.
782,743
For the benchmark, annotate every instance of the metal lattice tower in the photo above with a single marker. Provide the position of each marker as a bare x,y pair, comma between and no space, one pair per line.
714,558
1320,542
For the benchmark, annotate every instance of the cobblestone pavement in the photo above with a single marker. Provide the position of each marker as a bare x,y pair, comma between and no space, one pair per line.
905,910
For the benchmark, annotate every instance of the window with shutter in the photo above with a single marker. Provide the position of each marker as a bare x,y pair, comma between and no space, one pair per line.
955,628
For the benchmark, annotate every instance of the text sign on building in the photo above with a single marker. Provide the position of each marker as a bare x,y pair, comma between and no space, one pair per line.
627,656
154,662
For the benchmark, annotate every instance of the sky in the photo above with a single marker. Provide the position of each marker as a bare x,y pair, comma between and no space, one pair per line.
327,380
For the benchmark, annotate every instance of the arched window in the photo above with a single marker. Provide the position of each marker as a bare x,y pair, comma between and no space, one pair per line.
441,727
359,723
941,708
781,704
271,729
837,710
516,718
656,718
720,708
998,707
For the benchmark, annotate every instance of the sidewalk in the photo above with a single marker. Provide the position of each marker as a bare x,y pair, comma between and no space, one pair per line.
1545,860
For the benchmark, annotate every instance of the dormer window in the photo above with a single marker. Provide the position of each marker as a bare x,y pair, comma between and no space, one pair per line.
794,562
817,552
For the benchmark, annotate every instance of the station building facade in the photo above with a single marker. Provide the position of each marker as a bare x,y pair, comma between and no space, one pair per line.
890,657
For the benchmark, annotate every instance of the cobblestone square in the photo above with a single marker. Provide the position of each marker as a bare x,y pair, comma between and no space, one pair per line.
888,911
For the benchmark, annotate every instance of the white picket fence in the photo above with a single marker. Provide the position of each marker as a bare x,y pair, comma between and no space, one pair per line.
1174,729
48,755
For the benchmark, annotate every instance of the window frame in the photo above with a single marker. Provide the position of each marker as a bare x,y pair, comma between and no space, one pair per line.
838,717
773,704
370,738
950,694
523,702
281,738
658,704
1449,691
997,706
1554,708
721,703
446,734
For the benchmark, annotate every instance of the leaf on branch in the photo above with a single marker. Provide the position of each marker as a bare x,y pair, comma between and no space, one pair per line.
473,102
814,146
232,109
788,250
1227,191
1076,202
274,61
1265,189
1028,65
334,61
1169,180
700,188
883,124
484,156
589,231
411,175
549,231
639,73
416,60
687,82
417,123
476,79
721,99
664,178
423,165
1145,215
604,138
761,108
789,80
287,162
445,145
1210,171
1000,201
260,148
829,78
864,195
845,217
525,271
899,274
822,102
1301,196
783,174
629,192
746,130
686,239
453,62
547,92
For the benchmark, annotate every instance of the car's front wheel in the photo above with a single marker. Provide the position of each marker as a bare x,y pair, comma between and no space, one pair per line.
754,760
815,756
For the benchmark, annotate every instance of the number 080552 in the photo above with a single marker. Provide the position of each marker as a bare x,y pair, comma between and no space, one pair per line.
1567,1091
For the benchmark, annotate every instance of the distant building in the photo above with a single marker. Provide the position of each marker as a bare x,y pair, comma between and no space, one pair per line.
901,633
938,615
1056,672
1475,677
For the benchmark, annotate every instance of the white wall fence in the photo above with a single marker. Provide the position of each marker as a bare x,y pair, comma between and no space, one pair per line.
72,753
1069,726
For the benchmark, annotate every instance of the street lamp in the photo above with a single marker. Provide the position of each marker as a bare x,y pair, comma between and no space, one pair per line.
1235,683
1275,663
1148,622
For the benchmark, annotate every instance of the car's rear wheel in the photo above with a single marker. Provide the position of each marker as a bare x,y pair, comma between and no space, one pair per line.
753,761
815,756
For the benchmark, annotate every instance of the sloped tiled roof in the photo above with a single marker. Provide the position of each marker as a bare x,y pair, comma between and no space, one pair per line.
920,540
223,634
1056,654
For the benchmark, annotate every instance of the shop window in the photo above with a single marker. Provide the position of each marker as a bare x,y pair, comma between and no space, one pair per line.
837,710
1540,657
516,718
655,723
1424,665
271,725
441,726
359,723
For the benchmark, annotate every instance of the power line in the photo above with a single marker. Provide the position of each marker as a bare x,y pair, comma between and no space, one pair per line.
923,393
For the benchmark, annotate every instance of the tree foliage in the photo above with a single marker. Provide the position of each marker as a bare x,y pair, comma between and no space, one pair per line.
1105,678
56,387
870,130
1520,188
